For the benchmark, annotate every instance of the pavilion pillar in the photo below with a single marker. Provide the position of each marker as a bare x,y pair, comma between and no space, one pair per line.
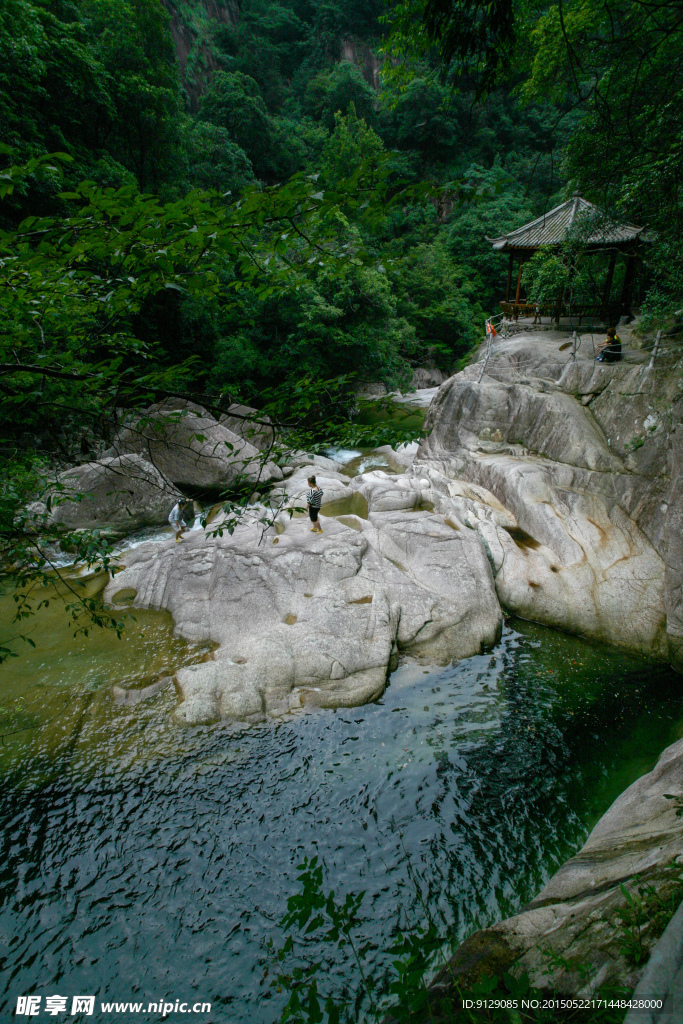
608,286
558,306
519,285
627,286
509,284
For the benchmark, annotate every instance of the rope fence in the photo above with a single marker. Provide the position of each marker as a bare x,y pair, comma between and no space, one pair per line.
499,327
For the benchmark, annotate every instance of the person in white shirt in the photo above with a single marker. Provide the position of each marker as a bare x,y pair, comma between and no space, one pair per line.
177,520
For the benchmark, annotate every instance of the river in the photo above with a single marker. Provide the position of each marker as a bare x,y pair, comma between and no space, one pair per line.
142,861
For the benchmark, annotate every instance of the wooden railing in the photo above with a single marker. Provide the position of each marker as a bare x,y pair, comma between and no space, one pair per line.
538,310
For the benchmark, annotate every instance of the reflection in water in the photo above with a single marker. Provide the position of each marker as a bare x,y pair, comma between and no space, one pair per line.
49,691
142,860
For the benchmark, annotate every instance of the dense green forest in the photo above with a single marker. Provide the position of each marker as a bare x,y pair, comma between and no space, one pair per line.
248,195
167,99
263,95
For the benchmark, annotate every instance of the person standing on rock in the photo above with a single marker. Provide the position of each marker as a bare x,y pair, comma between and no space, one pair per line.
314,500
177,518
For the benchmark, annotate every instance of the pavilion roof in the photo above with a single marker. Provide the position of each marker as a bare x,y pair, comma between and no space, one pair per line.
576,218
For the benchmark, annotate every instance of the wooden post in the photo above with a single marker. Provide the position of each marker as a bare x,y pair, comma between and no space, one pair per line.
608,286
519,285
651,364
509,284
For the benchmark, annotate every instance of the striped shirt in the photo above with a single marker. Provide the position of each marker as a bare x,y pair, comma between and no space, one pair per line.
315,497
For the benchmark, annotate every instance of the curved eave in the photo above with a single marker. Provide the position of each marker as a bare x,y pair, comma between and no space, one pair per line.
642,237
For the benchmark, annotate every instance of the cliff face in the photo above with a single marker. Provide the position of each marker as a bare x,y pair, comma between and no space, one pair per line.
359,53
587,456
193,25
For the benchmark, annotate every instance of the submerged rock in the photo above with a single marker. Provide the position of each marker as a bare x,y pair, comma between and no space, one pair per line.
130,697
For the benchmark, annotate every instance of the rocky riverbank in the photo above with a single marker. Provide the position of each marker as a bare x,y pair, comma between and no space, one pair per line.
548,486
587,456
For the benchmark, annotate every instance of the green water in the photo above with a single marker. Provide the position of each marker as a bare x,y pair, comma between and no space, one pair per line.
48,692
388,411
141,860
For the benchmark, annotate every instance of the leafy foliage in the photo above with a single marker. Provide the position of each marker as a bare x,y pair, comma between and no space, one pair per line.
618,63
437,298
407,997
473,38
646,913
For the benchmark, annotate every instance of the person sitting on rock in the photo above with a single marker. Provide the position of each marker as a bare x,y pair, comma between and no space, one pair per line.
610,349
314,500
177,518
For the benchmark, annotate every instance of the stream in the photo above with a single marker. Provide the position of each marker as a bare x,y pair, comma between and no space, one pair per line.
144,861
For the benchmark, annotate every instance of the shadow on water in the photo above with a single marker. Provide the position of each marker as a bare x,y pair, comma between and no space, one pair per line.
142,861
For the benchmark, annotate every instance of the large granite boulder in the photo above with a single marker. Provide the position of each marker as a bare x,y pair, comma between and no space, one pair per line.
400,458
583,457
122,493
303,619
443,587
314,462
527,416
193,450
426,377
250,425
